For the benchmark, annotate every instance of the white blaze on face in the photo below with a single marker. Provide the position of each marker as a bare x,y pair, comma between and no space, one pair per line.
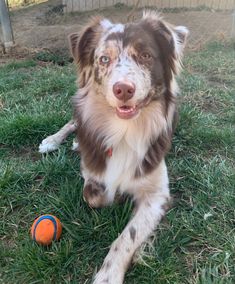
110,27
126,70
122,68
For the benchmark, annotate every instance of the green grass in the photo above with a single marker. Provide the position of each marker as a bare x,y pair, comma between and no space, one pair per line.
195,243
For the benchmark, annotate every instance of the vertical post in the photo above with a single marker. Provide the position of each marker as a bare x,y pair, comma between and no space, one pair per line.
233,25
6,25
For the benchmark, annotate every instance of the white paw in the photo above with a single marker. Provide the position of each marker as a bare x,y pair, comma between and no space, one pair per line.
109,275
75,146
49,144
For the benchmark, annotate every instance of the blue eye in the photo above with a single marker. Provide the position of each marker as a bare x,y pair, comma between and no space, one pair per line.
104,59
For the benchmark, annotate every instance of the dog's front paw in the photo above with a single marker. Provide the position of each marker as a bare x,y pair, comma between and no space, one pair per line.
49,144
109,276
112,270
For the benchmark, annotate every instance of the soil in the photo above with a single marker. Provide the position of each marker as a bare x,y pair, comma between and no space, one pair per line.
45,26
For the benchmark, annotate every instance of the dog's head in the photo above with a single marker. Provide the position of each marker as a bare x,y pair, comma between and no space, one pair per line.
129,65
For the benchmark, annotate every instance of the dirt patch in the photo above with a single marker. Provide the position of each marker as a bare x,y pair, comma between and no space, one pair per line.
44,26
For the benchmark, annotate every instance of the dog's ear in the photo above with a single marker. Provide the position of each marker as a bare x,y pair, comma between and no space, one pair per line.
171,40
176,36
180,35
73,42
83,46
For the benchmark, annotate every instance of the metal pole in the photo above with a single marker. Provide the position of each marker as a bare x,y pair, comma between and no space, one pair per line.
6,25
233,25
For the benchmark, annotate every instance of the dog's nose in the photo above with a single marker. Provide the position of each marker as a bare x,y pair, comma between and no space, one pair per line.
124,91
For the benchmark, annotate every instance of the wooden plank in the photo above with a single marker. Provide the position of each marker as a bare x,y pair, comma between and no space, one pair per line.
75,5
88,5
109,3
173,3
227,5
187,3
69,5
180,3
157,4
82,5
201,3
215,5
131,2
231,5
95,4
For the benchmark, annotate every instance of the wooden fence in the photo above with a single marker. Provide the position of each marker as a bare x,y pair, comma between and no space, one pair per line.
88,5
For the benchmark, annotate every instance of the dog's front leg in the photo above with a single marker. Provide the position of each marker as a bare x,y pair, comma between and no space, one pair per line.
53,142
149,211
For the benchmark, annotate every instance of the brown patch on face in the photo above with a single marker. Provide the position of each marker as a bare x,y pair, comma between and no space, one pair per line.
151,45
97,77
118,36
132,231
101,70
113,49
156,152
165,43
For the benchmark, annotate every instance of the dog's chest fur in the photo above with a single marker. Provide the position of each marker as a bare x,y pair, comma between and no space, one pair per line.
137,147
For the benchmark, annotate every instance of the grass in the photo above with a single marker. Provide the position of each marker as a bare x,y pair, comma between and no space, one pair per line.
195,243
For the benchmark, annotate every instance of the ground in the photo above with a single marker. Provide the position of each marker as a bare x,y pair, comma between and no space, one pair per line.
195,241
44,26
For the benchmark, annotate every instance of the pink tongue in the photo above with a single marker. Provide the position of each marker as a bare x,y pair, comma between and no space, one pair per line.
126,108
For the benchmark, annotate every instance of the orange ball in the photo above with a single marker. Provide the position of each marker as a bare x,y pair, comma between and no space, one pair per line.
45,229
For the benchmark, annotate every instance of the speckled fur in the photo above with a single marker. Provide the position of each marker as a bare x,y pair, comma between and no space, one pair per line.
147,53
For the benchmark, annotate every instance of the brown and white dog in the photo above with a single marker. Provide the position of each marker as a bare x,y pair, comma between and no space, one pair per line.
125,110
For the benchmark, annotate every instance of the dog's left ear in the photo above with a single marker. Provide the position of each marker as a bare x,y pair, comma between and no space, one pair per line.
171,37
171,40
180,35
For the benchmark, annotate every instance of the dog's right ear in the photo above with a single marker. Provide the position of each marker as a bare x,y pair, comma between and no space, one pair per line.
73,42
83,46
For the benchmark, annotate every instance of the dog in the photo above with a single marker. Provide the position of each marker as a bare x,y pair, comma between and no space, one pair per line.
125,114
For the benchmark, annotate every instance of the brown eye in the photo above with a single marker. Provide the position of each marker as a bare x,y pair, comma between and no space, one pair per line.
104,60
145,56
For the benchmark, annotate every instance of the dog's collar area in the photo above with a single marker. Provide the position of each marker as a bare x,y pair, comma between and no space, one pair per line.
109,152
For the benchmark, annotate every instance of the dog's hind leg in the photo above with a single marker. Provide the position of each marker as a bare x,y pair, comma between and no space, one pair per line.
53,142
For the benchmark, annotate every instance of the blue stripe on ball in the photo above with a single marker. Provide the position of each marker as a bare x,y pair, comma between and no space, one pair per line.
48,217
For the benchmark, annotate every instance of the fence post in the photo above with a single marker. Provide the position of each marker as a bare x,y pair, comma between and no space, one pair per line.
6,25
233,25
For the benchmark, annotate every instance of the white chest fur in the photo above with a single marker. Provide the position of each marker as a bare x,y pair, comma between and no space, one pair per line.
121,166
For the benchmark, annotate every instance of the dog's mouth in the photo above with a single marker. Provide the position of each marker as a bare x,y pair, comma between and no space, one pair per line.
130,111
127,112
